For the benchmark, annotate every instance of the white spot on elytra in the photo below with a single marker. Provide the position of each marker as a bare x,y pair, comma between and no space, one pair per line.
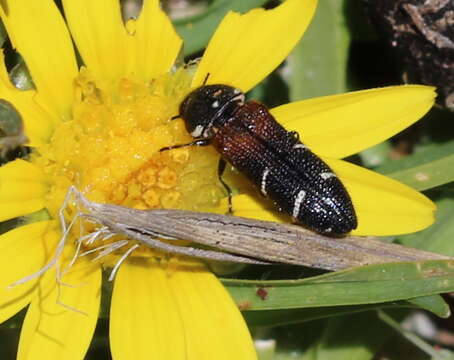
263,184
328,201
327,175
300,146
215,104
197,131
298,201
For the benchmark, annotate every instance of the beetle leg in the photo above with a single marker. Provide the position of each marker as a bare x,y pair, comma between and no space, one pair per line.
221,168
200,142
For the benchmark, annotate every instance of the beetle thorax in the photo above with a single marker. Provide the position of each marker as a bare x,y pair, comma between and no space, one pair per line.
209,107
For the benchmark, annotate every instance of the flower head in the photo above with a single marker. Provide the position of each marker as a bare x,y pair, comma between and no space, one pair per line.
100,127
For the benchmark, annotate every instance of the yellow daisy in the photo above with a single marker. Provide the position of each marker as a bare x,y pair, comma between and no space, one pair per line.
100,128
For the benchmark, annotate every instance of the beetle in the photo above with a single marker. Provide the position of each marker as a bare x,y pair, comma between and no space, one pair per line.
284,169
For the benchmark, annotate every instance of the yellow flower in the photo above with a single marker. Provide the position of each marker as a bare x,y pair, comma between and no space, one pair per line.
101,127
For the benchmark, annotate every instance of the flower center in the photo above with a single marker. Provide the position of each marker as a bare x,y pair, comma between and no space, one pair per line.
110,149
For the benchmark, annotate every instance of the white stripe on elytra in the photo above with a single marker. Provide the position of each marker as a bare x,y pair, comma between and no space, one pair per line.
298,201
263,185
327,175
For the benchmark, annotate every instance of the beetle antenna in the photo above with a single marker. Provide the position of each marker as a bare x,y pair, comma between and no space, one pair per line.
175,117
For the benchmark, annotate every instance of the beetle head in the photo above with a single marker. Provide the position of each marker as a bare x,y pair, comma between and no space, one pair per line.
209,106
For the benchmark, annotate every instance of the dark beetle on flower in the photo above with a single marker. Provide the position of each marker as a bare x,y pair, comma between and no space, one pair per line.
274,159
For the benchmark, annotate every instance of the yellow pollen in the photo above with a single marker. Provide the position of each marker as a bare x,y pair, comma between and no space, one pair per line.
151,198
167,179
110,149
170,199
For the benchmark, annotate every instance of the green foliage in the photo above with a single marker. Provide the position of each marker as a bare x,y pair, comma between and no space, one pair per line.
197,30
334,315
356,286
318,64
344,303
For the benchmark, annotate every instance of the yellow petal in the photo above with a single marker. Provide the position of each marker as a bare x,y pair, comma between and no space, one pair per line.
10,210
340,125
215,328
144,319
383,206
255,207
21,170
13,191
175,311
23,251
22,189
98,31
38,124
61,320
38,32
246,48
155,44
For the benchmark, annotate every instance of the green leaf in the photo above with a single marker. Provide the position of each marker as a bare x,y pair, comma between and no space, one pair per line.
375,155
428,176
297,342
429,153
424,169
355,337
437,238
363,285
434,304
197,30
318,63
296,316
413,338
